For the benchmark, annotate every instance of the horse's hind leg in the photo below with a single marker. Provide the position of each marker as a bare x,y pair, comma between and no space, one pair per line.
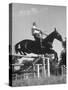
22,52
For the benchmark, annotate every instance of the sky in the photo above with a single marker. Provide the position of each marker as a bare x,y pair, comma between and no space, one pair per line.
46,18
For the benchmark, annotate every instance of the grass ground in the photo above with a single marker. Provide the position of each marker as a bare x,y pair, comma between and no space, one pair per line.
41,81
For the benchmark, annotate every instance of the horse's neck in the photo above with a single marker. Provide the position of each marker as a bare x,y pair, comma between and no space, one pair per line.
50,38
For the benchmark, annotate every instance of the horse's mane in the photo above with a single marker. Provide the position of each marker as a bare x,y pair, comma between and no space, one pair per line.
50,36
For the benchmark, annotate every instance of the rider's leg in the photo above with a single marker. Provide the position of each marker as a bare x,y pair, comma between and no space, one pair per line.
41,43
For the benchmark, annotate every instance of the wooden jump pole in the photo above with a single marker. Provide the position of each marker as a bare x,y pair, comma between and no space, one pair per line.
34,70
17,65
44,69
48,67
62,70
38,73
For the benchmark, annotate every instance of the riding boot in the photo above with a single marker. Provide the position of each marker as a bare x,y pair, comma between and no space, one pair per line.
41,43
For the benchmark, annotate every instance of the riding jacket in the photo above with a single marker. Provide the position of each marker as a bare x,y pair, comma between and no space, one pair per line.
36,32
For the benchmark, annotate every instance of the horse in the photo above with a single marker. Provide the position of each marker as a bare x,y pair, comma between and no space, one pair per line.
62,61
32,46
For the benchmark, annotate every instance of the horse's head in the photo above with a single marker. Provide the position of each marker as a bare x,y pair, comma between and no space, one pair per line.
57,35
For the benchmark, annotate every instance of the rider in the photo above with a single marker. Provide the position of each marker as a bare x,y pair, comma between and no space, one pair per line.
37,33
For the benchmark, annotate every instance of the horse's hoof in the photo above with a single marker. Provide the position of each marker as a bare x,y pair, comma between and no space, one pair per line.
24,53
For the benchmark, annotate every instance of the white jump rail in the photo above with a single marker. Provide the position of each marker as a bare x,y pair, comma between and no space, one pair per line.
38,65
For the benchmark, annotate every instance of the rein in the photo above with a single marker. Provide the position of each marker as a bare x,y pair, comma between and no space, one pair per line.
44,34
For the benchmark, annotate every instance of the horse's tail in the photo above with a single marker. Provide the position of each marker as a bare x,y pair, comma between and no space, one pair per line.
16,48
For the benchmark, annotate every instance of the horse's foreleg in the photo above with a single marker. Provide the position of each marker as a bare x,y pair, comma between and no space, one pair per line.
56,57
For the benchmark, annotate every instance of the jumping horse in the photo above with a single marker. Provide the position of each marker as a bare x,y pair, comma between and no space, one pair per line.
33,46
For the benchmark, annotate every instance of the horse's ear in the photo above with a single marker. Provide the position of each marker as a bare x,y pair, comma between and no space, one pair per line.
55,29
